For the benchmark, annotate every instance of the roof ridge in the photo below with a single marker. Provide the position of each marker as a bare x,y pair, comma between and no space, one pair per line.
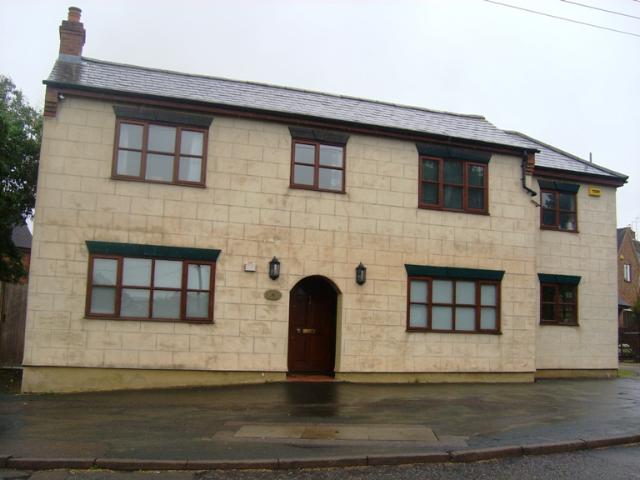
284,87
568,154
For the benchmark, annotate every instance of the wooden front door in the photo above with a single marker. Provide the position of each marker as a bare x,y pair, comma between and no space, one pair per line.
312,326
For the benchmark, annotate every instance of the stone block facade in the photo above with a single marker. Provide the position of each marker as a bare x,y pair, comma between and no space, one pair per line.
248,211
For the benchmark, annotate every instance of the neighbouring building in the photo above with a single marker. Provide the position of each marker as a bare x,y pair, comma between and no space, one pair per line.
194,230
13,305
628,274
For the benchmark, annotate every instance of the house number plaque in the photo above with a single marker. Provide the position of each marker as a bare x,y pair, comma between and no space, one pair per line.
272,295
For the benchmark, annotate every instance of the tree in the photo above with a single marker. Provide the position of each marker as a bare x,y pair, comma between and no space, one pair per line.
20,135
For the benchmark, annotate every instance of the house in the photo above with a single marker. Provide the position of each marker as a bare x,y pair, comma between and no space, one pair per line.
628,293
13,305
628,274
194,230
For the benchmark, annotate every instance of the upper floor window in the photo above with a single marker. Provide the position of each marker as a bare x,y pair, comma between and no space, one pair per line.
558,206
160,146
318,159
450,184
160,153
627,272
317,166
452,300
558,299
142,282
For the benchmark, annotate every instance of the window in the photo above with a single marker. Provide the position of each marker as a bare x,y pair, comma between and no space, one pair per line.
450,300
627,272
149,288
558,206
558,299
317,166
558,211
161,153
451,184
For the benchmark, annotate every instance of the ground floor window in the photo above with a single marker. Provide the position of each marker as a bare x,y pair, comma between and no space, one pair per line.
146,282
558,299
453,299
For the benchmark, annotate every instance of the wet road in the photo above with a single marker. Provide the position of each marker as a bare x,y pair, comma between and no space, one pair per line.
206,423
614,463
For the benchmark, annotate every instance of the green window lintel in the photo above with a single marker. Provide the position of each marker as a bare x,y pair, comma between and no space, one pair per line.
454,272
154,251
453,153
562,279
559,186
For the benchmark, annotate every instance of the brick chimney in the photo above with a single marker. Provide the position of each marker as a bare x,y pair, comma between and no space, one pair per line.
72,35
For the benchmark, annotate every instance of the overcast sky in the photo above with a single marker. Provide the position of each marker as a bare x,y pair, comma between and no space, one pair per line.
573,86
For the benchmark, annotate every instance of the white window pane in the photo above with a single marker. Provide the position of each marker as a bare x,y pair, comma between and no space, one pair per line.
199,277
166,304
130,136
136,272
197,305
302,175
442,318
488,319
330,179
419,291
465,318
191,143
162,139
167,274
488,295
331,156
104,271
134,303
190,169
442,291
465,293
418,316
128,163
305,154
103,300
159,167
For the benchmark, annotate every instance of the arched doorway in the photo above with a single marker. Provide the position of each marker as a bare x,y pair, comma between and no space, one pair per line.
312,326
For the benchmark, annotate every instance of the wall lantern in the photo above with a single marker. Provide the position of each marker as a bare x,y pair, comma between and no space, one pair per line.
274,268
361,274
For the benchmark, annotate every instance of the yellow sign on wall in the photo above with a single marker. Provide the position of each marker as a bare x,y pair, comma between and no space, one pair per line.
594,192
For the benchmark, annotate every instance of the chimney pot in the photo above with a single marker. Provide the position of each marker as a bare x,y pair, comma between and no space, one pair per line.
74,14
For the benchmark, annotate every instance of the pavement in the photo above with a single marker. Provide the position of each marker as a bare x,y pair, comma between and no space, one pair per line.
291,425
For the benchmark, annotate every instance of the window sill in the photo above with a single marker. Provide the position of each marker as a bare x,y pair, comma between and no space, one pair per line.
313,189
442,209
556,324
157,182
554,229
424,330
138,319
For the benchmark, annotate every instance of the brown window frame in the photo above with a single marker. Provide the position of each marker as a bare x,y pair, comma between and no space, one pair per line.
465,185
557,210
119,286
144,151
316,166
477,305
557,304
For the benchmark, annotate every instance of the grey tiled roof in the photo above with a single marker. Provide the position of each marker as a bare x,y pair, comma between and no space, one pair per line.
552,157
620,235
21,236
97,74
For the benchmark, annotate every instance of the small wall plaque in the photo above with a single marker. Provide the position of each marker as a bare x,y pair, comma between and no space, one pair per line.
272,295
250,267
594,192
